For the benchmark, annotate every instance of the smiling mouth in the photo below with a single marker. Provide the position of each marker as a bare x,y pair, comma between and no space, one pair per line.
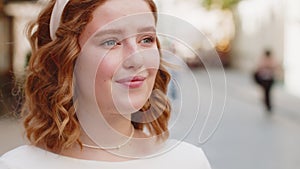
132,82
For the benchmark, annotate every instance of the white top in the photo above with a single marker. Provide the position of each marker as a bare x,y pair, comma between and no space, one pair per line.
183,156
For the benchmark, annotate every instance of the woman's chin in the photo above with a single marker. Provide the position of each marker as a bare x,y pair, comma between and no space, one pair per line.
130,106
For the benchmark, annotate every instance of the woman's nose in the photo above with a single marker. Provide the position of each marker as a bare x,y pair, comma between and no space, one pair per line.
133,58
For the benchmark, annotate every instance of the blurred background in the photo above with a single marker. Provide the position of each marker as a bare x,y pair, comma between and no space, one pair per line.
240,31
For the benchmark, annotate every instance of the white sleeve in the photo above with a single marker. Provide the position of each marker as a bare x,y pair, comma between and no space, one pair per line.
193,157
2,165
204,161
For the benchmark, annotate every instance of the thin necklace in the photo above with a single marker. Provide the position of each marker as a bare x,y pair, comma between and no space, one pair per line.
111,148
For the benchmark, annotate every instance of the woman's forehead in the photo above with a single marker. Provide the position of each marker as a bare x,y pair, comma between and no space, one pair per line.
116,13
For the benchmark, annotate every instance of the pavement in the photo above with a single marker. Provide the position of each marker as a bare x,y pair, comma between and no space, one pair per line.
246,137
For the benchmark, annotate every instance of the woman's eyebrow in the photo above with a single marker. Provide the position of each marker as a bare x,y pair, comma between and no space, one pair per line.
146,29
121,31
109,32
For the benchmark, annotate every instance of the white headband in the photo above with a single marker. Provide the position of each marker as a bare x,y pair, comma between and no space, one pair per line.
56,16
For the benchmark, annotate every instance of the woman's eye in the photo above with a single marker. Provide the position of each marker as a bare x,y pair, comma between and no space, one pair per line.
110,43
148,40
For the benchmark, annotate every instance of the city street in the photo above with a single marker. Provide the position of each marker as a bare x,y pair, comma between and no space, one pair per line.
247,137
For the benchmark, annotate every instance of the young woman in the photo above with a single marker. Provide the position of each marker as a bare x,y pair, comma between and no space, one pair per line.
95,94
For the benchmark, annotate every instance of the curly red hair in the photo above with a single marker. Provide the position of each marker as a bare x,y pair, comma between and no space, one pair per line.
50,118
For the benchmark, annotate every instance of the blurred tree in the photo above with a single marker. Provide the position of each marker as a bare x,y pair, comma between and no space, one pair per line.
223,4
225,7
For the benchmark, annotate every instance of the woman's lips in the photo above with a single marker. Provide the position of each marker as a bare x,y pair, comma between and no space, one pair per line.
132,82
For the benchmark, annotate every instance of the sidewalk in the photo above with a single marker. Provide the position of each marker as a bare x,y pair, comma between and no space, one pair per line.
248,137
243,87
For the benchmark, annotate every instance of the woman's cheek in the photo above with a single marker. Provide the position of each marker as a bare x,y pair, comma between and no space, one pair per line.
109,65
151,59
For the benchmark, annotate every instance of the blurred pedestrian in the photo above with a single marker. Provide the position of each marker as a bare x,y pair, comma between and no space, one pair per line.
265,76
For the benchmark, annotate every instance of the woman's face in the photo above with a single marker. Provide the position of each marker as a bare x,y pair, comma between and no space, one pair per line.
119,55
